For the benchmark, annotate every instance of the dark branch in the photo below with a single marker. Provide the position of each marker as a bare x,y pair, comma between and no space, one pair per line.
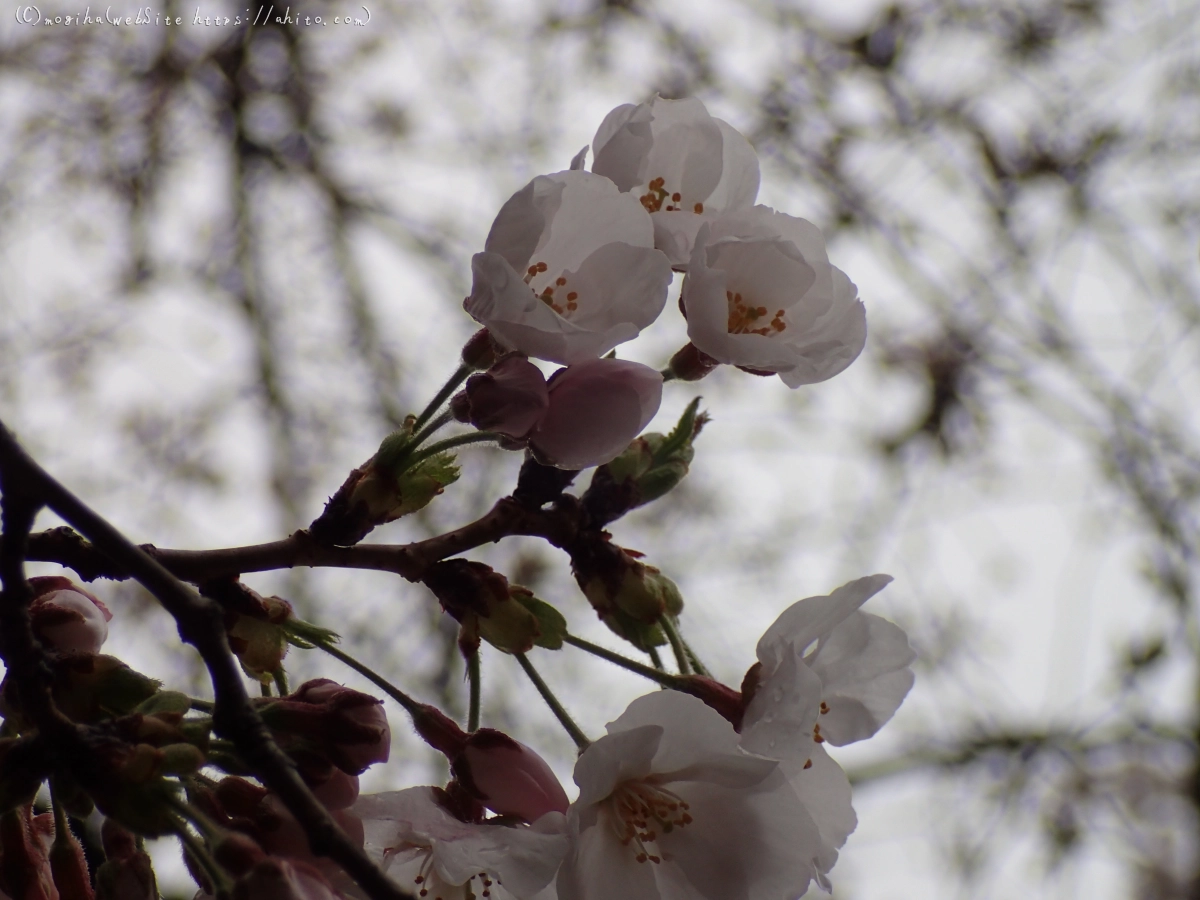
506,518
200,624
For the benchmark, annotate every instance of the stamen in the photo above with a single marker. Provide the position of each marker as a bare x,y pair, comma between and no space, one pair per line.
635,805
743,317
699,208
808,764
824,707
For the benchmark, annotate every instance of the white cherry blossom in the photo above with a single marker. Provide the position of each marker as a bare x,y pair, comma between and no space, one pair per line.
435,856
828,673
761,294
685,167
569,269
669,807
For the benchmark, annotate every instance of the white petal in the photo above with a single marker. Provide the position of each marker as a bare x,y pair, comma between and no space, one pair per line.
619,756
739,172
631,282
778,723
593,212
579,160
805,621
600,867
739,846
825,792
621,147
503,303
697,731
520,226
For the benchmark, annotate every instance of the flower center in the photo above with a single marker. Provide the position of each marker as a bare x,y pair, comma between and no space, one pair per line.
745,319
641,812
657,194
567,301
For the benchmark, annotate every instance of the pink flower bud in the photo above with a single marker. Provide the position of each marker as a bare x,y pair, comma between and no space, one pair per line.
508,777
321,717
66,617
511,397
596,408
504,775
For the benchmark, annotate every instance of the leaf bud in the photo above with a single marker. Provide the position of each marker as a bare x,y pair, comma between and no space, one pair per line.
484,604
650,467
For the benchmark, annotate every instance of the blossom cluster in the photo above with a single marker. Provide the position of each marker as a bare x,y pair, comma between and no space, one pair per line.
579,262
699,790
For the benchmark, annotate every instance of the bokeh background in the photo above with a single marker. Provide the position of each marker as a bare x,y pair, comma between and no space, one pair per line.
232,259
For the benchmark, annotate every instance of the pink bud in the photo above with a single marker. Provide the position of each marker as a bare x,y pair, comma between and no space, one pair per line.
511,397
508,777
596,408
346,726
66,617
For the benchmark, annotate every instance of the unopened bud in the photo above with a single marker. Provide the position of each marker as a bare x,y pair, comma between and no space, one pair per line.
485,605
650,467
127,874
481,351
509,778
629,596
323,718
259,641
510,398
375,494
691,363
504,775
25,841
67,618
70,869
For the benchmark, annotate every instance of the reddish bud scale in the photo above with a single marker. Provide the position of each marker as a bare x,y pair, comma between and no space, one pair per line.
724,699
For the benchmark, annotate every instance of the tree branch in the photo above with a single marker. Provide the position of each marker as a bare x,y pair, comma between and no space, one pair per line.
199,621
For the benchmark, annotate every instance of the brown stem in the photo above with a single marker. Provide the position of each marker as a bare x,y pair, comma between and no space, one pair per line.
199,621
507,517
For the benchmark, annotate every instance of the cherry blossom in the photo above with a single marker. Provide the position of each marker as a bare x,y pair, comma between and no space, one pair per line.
435,855
596,408
826,672
569,269
761,294
669,806
682,164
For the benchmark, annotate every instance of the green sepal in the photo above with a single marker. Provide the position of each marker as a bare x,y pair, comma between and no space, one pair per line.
551,623
165,701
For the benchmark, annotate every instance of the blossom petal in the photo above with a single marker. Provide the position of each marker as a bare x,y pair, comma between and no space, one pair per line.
698,732
599,867
806,621
501,301
778,723
863,665
738,847
621,147
824,790
596,408
621,755
523,221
